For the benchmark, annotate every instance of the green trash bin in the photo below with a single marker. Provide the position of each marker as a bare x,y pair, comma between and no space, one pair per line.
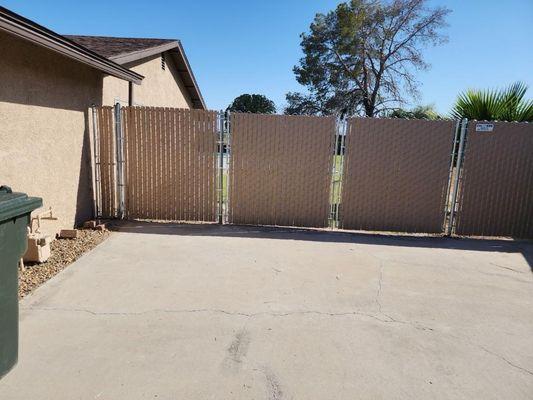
15,210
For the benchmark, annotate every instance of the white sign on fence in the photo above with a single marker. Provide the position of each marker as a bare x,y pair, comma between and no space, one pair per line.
484,127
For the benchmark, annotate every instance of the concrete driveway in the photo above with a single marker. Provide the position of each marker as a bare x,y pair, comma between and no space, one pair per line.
209,312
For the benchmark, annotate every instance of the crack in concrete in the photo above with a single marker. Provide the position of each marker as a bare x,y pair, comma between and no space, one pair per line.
505,360
492,353
377,300
378,292
483,348
234,313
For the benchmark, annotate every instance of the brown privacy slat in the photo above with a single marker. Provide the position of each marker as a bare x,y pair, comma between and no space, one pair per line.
213,151
107,160
165,167
130,171
158,168
170,164
139,159
148,163
126,145
184,166
496,196
154,187
194,165
161,163
131,167
129,143
231,178
181,158
244,165
201,160
188,170
157,172
173,161
192,168
140,129
396,174
277,172
210,166
145,166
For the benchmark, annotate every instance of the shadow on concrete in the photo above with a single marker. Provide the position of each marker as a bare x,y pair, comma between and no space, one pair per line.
322,235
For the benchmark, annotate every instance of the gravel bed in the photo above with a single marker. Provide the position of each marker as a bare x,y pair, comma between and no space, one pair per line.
63,253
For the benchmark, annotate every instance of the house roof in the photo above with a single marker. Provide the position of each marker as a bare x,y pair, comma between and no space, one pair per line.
109,46
22,27
126,50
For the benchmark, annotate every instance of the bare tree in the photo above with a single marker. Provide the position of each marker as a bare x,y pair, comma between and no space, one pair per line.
360,58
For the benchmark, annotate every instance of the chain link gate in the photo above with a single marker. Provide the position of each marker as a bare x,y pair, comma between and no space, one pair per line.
495,189
280,170
396,174
155,163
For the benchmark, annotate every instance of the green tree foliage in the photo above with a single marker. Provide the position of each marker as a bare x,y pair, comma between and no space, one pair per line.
419,112
360,58
252,103
495,105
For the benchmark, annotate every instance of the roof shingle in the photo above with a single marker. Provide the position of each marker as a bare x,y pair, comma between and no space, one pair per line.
108,46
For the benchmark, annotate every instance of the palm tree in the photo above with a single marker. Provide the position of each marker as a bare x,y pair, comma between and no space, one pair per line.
495,105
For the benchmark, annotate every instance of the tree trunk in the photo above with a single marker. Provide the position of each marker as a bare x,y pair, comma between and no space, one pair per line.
369,108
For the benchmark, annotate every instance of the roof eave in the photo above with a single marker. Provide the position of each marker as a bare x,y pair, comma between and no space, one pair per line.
29,30
140,54
194,88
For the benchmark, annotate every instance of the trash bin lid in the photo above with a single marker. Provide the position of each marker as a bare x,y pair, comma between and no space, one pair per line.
14,204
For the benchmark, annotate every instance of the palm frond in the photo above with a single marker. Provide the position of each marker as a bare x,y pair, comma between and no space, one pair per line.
495,105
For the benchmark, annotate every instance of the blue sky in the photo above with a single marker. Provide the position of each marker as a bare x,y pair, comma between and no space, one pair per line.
250,46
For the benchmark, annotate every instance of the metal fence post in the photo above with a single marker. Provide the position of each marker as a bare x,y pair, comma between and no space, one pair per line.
460,156
451,174
342,155
119,141
337,172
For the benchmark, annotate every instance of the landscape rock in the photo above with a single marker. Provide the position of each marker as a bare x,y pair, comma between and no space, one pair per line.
64,252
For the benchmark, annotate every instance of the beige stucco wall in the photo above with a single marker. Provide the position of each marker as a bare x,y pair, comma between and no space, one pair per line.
159,88
44,141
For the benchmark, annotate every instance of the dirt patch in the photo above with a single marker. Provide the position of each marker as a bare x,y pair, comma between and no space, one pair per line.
63,253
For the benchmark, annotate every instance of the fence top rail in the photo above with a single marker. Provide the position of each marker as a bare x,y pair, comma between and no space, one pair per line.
154,108
157,108
440,120
500,122
282,115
